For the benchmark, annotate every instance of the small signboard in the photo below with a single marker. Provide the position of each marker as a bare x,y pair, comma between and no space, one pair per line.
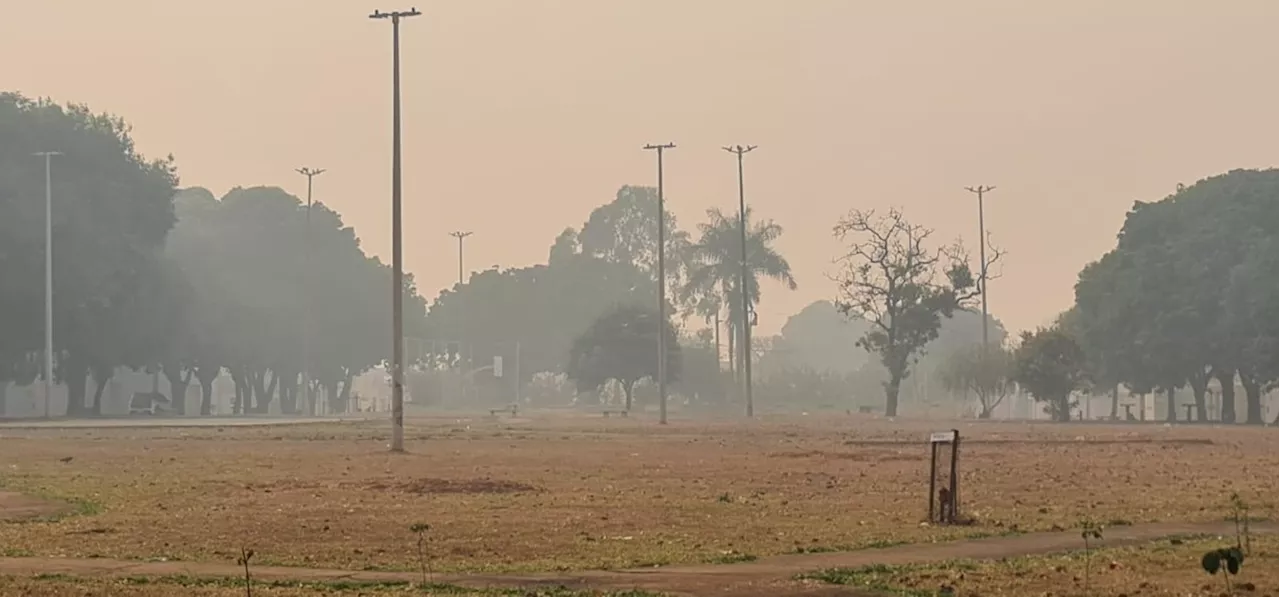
497,366
942,437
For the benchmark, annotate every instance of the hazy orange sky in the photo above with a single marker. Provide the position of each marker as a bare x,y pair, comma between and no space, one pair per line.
522,115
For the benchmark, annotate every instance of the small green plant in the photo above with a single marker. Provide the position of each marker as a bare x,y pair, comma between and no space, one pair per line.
1228,560
724,498
246,555
1089,530
424,562
1240,515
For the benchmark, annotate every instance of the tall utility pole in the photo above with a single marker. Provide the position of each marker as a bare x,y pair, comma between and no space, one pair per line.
48,277
743,276
397,258
310,173
982,257
662,288
460,236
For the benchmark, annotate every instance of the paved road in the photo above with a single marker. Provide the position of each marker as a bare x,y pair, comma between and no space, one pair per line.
736,580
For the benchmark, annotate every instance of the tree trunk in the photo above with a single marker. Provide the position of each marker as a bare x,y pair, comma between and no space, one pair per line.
334,397
1252,400
177,387
289,391
206,376
344,396
1200,386
627,387
206,397
240,404
97,394
1227,381
891,389
1115,403
1060,408
263,391
1171,413
76,379
4,396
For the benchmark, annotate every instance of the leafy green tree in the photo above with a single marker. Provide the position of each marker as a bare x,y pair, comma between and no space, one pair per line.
820,338
1049,365
256,268
985,373
899,286
622,346
543,307
1155,310
111,211
625,231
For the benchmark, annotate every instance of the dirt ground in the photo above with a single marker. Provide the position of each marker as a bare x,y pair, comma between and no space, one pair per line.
18,507
548,493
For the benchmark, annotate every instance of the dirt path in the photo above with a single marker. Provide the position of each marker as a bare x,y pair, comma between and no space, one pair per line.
737,580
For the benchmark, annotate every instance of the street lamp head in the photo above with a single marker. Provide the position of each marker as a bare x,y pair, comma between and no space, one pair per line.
305,171
47,153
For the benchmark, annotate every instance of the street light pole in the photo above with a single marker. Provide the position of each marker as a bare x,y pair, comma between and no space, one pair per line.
982,257
310,173
397,258
662,289
460,236
743,276
48,276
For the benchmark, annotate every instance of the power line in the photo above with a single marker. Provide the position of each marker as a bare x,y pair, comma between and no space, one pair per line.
662,288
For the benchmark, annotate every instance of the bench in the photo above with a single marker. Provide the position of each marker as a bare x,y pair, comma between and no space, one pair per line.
619,412
511,408
864,410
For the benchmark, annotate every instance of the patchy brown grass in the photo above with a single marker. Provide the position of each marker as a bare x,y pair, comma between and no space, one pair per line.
62,586
1164,568
572,493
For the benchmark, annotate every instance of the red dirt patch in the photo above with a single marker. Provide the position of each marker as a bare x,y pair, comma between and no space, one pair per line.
16,506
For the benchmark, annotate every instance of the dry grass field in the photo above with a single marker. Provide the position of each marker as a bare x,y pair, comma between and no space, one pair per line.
548,493
1164,568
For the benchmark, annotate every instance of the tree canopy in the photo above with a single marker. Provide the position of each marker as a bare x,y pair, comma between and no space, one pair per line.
1187,296
621,346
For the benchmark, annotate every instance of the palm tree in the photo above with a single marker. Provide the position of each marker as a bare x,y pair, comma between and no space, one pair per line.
715,266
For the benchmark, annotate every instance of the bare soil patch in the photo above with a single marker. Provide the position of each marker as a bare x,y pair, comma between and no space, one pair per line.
16,506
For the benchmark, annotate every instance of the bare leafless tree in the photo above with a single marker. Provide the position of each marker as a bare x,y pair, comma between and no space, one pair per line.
893,280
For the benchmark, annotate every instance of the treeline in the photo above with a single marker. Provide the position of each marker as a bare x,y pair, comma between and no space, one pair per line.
147,275
1187,297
